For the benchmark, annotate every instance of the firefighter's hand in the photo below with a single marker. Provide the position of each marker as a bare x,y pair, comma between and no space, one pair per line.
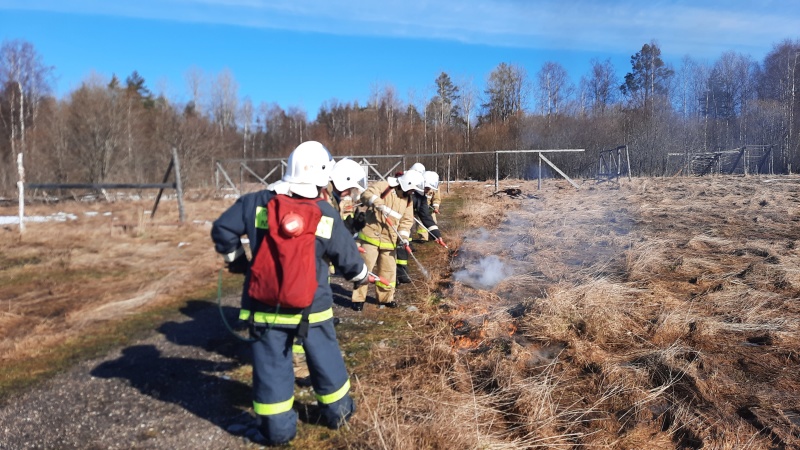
440,241
239,265
408,247
436,211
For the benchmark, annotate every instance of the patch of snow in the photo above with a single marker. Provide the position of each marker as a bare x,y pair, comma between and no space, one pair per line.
57,217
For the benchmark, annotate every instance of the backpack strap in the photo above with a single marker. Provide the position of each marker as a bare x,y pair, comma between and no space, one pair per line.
302,330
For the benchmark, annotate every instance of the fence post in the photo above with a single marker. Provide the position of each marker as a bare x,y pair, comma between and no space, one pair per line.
448,174
496,171
178,185
21,189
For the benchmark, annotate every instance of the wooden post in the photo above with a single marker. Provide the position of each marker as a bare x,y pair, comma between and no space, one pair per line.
21,189
178,185
161,190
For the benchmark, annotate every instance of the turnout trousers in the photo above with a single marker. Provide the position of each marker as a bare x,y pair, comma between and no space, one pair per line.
273,379
382,262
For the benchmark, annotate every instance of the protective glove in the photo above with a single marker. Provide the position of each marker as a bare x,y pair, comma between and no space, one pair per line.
239,265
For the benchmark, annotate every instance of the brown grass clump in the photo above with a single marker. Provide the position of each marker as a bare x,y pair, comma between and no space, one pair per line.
657,314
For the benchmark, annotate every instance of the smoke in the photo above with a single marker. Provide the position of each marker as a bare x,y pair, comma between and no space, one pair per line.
484,274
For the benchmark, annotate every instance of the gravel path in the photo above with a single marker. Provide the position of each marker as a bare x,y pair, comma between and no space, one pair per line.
166,391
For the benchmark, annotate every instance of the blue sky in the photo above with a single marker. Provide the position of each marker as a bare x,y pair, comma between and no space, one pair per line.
305,52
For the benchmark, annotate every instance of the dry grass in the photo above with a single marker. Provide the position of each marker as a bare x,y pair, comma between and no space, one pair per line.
658,313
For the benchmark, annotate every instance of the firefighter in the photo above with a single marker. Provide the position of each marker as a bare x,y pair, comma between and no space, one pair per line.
418,167
388,220
274,328
348,181
434,200
423,219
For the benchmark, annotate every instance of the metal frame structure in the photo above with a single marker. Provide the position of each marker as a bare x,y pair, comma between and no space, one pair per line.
611,163
757,159
174,164
276,166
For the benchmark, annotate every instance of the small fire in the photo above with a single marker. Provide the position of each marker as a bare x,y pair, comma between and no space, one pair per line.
511,328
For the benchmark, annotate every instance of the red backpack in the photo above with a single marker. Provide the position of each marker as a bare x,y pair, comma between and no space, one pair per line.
284,271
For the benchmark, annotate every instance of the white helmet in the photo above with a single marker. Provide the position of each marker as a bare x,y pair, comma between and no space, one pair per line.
309,168
418,167
411,180
431,180
347,174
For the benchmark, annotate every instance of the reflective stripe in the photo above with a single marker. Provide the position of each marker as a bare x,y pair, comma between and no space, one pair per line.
377,242
404,233
325,227
261,218
402,262
336,396
435,227
291,319
298,349
395,214
386,286
269,409
372,199
244,314
361,275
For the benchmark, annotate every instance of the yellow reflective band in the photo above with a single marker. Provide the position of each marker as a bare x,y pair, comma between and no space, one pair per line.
325,227
291,319
244,314
336,396
386,286
402,262
270,409
298,349
377,242
261,218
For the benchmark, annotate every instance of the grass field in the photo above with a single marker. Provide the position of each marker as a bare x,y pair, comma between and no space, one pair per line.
654,313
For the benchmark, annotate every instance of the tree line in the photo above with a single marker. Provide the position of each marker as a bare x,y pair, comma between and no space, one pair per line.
119,131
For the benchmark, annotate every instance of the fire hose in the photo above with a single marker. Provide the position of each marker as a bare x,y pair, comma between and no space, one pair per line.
408,249
439,241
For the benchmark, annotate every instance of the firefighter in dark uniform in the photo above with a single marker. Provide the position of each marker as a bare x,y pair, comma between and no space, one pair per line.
276,328
422,213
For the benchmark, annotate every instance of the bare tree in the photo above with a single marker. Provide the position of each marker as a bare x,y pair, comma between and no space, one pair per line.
553,88
506,92
601,86
24,80
194,82
224,91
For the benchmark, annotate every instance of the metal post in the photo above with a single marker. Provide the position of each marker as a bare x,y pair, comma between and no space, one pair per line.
448,174
539,184
178,185
496,171
21,189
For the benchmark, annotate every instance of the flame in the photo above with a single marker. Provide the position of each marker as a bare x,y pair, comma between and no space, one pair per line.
511,328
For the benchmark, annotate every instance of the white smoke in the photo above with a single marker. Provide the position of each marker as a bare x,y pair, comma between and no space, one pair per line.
485,274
